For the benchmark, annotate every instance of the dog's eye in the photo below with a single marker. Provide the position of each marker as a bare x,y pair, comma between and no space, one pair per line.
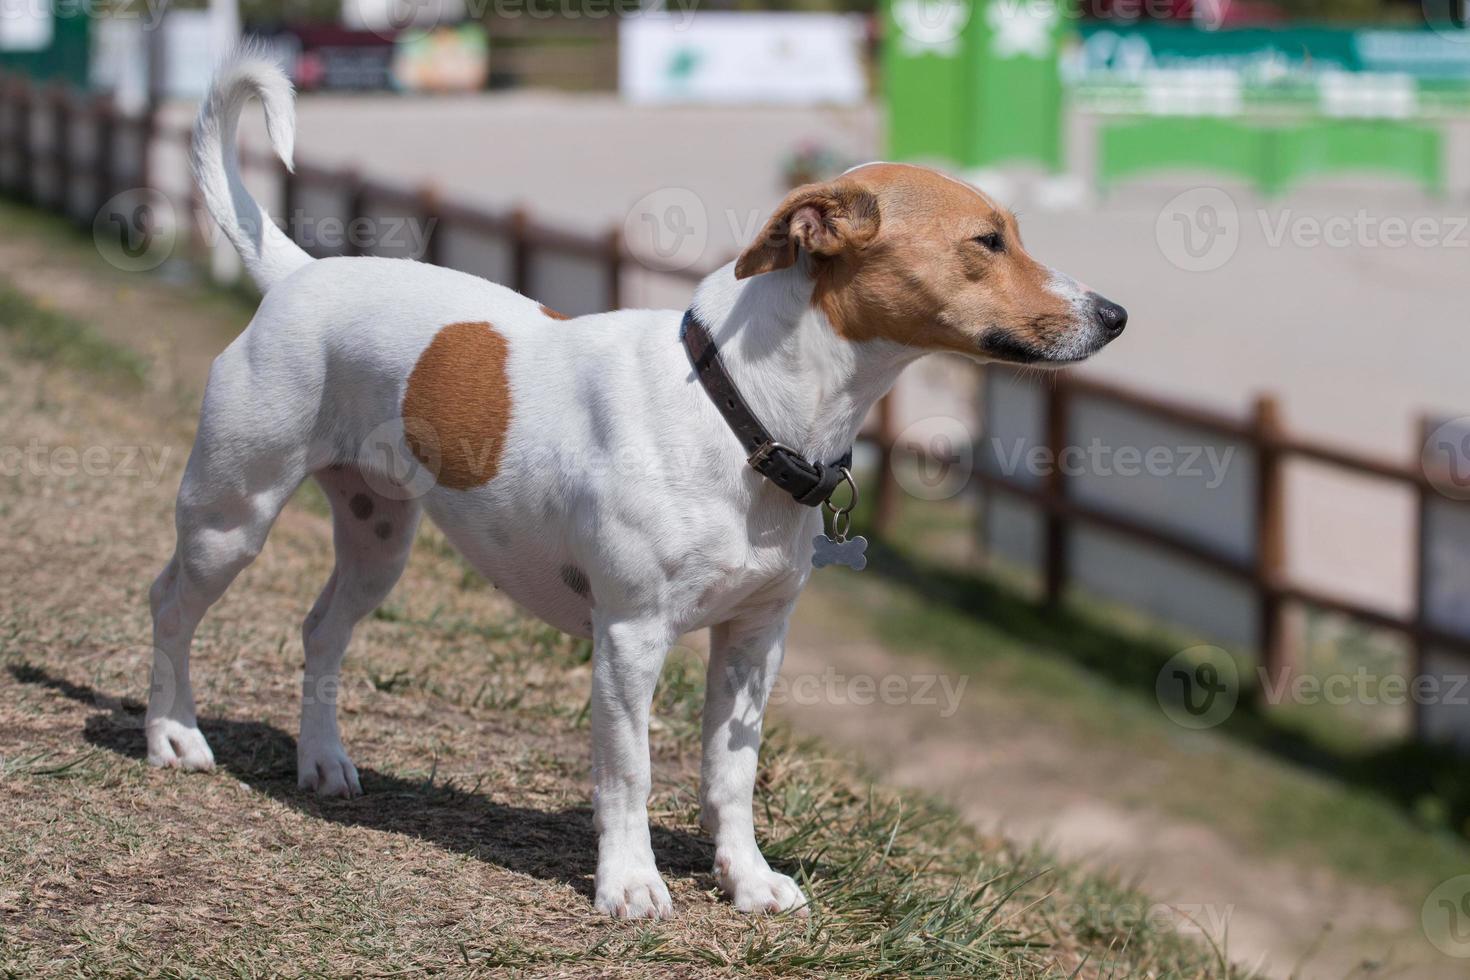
992,241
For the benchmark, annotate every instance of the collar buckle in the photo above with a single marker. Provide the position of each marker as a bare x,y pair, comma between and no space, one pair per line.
763,453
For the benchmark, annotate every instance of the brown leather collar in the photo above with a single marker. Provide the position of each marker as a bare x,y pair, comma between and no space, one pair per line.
808,483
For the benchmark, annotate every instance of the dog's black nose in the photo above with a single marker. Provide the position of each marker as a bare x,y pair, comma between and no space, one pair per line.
1112,317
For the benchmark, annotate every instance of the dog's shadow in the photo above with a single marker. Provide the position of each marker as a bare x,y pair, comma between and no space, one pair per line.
555,845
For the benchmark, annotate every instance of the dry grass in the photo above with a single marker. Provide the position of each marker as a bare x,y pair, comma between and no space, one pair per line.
472,852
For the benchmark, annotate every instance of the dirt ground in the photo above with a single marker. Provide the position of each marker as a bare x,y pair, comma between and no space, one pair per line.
1012,774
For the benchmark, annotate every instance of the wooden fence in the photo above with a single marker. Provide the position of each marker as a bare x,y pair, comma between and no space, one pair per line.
1259,562
73,154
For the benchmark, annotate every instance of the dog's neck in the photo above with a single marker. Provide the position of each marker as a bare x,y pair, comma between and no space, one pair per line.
811,388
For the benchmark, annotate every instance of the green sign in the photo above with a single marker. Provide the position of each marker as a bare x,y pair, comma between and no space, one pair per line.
973,82
42,42
1270,55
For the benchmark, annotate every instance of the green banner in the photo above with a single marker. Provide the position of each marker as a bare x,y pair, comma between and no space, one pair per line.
1270,55
974,82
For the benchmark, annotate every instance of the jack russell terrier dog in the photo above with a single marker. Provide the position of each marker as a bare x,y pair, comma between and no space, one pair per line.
624,476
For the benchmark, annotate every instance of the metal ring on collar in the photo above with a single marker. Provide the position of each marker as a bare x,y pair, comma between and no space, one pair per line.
832,508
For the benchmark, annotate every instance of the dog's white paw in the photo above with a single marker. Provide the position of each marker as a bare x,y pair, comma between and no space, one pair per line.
175,745
325,768
754,887
635,893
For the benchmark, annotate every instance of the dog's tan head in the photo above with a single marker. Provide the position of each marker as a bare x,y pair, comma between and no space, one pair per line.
907,254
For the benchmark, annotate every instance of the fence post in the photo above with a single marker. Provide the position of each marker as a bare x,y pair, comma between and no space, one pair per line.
147,131
25,148
1058,401
201,232
430,216
353,182
1420,641
103,149
1270,539
885,495
520,252
61,148
614,268
11,136
288,200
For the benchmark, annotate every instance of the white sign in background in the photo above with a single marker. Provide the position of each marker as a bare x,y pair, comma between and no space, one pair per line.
743,59
25,25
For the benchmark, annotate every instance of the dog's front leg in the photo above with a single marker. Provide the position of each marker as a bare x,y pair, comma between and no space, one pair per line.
626,660
743,664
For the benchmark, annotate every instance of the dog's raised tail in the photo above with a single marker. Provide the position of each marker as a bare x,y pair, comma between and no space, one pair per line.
269,254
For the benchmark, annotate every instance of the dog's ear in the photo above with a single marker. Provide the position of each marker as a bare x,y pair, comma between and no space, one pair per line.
825,219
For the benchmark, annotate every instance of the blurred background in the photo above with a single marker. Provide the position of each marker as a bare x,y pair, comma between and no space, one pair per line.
1211,590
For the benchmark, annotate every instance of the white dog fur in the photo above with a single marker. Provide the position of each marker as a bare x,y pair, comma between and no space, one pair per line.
621,506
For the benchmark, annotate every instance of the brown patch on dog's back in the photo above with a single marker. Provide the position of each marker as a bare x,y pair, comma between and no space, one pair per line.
457,407
548,311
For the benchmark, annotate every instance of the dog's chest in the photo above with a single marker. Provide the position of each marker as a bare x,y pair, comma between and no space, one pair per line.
564,568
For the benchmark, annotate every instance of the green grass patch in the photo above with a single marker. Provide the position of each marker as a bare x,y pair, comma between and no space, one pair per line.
47,335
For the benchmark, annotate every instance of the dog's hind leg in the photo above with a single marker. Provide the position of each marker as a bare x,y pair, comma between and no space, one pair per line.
373,533
249,456
223,516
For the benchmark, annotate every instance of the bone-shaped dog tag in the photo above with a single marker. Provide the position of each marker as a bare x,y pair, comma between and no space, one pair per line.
843,551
